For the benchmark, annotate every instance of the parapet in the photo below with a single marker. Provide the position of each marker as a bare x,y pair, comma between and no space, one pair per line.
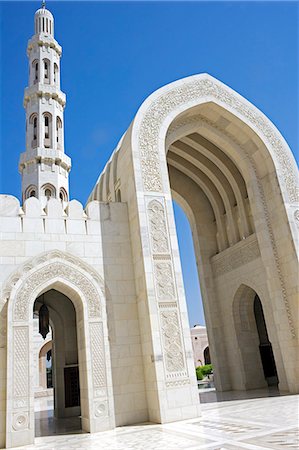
70,218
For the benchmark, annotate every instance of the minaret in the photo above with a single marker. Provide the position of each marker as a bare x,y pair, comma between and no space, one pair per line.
44,165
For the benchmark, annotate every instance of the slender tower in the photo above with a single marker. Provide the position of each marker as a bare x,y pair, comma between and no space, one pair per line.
44,165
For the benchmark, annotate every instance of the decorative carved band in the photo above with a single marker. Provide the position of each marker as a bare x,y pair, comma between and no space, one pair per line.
174,355
21,362
158,227
159,257
97,355
177,383
196,90
164,280
51,271
236,256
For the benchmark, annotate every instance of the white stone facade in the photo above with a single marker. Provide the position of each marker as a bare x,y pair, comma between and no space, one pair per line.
111,272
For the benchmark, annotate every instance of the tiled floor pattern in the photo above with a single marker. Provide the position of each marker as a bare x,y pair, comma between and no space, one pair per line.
265,423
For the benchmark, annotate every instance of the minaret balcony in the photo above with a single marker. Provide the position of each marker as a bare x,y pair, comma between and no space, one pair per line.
44,90
40,153
43,39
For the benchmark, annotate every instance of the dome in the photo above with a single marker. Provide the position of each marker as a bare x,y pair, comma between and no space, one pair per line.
43,21
43,12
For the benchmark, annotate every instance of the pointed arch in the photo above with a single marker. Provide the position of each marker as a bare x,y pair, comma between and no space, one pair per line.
85,288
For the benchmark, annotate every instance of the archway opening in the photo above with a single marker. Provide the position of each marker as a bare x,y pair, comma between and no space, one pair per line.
59,367
206,354
257,363
265,346
209,180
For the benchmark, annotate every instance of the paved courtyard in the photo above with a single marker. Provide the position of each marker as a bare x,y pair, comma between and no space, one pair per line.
230,424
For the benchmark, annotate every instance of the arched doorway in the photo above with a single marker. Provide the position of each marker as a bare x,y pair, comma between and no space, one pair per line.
45,355
198,142
258,367
82,289
265,346
65,365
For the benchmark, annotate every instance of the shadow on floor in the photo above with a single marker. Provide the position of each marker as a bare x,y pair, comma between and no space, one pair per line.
213,396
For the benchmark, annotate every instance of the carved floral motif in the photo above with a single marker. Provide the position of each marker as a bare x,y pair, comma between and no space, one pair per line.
236,256
51,271
164,280
97,355
193,91
158,229
172,340
20,381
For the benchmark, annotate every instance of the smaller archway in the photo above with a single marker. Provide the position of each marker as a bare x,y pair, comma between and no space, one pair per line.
31,191
48,190
46,71
56,74
63,195
83,287
58,133
35,70
33,122
206,354
47,130
258,368
45,354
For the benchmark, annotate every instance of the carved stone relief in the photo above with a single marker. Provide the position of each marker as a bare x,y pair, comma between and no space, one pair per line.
158,228
236,256
20,361
149,149
199,89
56,269
97,355
164,280
172,341
171,333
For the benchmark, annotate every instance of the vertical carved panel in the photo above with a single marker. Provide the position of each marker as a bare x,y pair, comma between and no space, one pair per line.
164,280
21,362
158,227
165,287
97,355
172,341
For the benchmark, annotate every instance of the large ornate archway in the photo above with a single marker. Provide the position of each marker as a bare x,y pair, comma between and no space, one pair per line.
83,286
238,183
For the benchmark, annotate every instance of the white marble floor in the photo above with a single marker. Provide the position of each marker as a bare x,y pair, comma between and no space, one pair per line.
230,424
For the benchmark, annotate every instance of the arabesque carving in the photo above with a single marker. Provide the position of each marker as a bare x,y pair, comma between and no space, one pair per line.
164,280
197,89
172,341
53,270
236,256
158,227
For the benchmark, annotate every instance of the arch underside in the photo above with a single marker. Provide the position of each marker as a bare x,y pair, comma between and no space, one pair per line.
213,175
195,155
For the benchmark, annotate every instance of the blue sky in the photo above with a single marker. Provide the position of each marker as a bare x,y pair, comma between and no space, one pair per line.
116,53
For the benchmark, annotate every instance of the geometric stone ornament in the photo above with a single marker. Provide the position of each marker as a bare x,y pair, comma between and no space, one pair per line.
236,256
157,223
196,90
85,284
205,88
174,355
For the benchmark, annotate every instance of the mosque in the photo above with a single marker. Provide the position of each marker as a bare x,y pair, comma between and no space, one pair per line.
106,278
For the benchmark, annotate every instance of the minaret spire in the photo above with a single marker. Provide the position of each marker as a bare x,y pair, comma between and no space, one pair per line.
44,165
